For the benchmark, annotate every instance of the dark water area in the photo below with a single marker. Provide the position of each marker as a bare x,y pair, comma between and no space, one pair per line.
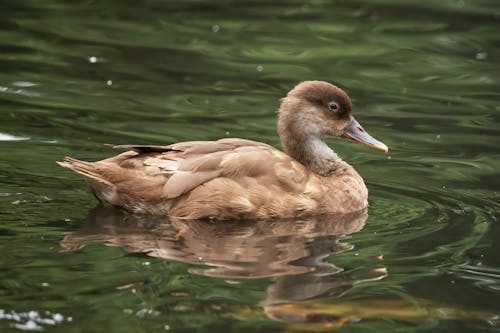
424,79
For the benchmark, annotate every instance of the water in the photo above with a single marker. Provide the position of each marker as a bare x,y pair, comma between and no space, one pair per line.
424,79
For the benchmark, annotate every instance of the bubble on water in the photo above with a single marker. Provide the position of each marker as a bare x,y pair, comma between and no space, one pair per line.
227,132
481,55
215,28
109,82
45,284
32,320
58,317
33,314
166,327
93,60
47,321
438,136
260,68
30,325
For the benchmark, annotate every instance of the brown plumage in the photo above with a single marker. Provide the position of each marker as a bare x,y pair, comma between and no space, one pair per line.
243,179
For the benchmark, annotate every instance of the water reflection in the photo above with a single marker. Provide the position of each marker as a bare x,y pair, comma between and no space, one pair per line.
305,290
251,249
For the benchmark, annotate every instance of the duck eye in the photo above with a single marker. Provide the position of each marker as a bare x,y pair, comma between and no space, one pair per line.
333,106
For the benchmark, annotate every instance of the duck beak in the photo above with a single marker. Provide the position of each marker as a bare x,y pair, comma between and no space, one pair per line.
356,133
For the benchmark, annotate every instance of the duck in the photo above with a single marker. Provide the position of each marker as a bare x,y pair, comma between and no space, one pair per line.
235,179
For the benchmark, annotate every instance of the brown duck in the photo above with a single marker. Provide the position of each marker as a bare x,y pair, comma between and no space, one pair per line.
243,179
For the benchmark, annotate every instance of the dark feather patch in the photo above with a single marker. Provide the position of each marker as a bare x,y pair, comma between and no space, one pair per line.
143,149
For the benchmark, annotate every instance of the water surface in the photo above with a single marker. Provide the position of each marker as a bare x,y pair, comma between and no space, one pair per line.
424,79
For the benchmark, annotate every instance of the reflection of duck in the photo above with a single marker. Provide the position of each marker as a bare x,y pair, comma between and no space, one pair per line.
249,249
236,178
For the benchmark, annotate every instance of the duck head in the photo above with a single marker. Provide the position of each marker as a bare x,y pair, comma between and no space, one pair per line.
314,110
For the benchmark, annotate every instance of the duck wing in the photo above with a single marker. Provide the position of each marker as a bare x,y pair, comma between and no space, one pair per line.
187,165
153,174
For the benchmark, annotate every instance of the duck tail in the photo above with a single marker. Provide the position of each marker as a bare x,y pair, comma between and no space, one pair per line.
87,169
103,189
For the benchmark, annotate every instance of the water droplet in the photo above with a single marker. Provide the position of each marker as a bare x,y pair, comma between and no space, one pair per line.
389,157
33,314
215,28
481,55
45,284
92,60
58,317
438,136
227,132
166,327
109,82
260,68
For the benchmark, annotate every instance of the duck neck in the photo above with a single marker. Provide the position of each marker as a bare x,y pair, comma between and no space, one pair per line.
314,153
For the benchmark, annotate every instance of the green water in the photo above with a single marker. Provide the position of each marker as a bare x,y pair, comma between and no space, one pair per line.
424,79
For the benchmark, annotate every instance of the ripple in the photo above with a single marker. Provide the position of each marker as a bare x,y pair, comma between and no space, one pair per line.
22,92
10,137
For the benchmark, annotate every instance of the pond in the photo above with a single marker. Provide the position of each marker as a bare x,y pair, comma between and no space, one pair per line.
424,79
